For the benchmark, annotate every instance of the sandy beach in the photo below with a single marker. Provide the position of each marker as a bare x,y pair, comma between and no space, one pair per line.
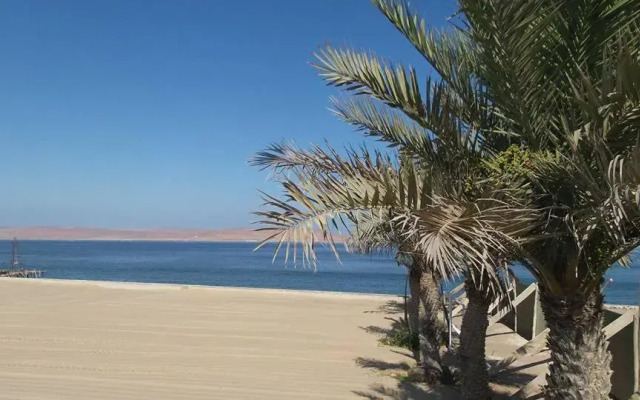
99,340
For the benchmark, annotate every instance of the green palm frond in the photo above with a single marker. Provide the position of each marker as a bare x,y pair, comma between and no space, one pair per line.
514,53
286,156
447,138
592,220
386,125
438,110
624,178
364,74
584,26
448,51
534,54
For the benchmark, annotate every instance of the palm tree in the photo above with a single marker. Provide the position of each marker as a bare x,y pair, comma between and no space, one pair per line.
565,78
382,191
444,234
374,232
491,224
442,131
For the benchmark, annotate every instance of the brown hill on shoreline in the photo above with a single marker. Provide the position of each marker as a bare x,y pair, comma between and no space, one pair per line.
168,234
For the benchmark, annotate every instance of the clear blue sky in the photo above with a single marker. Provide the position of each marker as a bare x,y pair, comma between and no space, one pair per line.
144,113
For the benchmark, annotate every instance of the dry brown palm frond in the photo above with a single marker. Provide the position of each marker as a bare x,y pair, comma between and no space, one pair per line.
373,232
328,199
454,233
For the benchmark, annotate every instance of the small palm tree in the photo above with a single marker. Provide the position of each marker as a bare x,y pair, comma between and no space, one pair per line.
374,232
445,235
381,191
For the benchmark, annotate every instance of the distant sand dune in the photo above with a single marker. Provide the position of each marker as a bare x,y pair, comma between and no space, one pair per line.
171,234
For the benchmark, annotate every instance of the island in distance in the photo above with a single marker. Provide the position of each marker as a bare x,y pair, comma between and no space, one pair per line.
156,234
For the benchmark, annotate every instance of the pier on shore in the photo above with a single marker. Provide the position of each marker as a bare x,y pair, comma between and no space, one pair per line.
20,273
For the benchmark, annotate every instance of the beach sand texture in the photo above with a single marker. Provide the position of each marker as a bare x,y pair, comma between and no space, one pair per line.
97,340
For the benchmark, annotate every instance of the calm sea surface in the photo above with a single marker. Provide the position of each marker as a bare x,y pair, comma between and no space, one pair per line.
236,264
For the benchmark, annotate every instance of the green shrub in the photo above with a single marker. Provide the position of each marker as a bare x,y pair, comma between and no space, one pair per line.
400,335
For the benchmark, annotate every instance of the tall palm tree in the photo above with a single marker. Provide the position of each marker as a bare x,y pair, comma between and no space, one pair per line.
565,78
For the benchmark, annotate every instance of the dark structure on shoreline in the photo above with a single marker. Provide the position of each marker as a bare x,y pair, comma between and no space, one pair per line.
15,268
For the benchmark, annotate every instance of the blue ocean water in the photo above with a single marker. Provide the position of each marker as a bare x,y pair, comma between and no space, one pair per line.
236,264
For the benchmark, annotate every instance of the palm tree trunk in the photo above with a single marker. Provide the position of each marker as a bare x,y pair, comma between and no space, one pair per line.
430,328
580,362
415,275
473,364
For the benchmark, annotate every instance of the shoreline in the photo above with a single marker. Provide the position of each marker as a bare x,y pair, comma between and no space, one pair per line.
179,286
132,285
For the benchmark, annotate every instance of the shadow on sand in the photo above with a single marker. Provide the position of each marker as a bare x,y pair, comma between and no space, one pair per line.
397,333
382,365
390,307
507,381
408,391
403,372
